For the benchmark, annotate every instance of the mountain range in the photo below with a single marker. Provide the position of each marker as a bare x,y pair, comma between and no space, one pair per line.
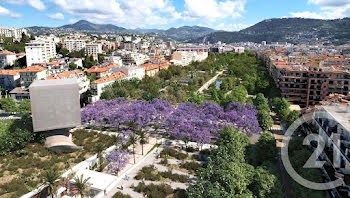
180,34
294,30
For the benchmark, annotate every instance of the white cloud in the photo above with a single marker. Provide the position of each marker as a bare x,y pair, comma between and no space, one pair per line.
73,21
57,16
37,4
329,3
212,10
6,12
306,14
232,27
133,13
330,9
142,13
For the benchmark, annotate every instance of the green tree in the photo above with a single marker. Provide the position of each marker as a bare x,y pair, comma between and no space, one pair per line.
73,66
82,185
25,106
264,150
9,105
133,140
265,119
281,108
196,98
239,94
64,52
101,58
292,116
58,47
265,184
248,81
51,177
143,138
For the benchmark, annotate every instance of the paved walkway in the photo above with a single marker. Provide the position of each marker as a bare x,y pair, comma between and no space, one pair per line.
277,131
131,181
211,81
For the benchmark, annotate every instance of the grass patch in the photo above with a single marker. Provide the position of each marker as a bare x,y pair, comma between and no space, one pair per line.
27,166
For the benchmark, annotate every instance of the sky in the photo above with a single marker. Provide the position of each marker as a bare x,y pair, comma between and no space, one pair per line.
229,15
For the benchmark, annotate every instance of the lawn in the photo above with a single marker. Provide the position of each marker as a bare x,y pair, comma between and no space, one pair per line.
22,171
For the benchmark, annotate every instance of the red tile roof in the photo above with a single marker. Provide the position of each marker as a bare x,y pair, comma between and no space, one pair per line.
112,77
33,69
9,72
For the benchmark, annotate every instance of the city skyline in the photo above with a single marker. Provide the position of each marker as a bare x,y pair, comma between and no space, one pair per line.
229,15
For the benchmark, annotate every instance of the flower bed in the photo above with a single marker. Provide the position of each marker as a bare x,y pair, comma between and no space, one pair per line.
22,171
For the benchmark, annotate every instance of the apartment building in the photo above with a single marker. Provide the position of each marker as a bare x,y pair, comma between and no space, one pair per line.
332,124
7,58
16,33
130,58
74,44
307,81
98,72
137,72
83,81
152,68
40,51
54,67
184,56
30,74
93,49
98,85
9,79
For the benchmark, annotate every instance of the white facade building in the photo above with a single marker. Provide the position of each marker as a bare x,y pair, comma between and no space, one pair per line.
40,51
7,58
184,58
93,49
74,45
114,59
131,72
16,33
132,58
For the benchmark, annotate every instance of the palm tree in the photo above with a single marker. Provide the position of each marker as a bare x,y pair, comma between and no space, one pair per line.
133,140
81,184
50,178
142,136
156,128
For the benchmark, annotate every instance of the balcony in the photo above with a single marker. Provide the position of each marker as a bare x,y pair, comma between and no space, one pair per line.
341,148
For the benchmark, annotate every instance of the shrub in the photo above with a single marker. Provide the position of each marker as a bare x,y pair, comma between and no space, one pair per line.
148,173
180,193
164,162
153,190
120,195
174,177
191,149
173,153
190,166
204,152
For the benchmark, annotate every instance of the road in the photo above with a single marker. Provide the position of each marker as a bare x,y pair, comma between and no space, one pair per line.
211,81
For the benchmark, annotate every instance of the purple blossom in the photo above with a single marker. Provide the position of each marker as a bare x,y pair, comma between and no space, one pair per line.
118,160
185,121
